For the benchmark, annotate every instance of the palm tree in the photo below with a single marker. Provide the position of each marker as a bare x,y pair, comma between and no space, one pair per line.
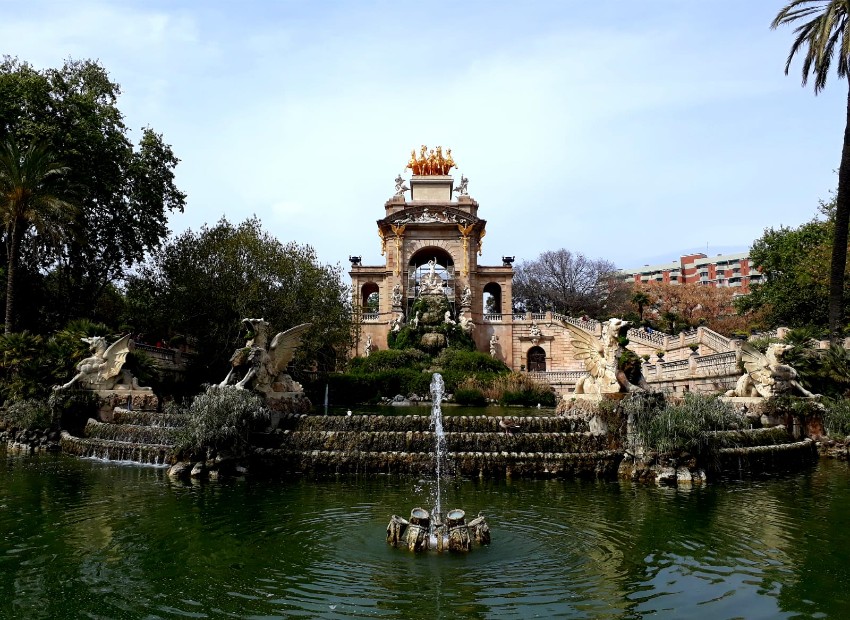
825,25
640,299
27,200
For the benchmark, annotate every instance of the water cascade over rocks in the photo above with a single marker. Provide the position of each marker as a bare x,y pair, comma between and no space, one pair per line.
428,530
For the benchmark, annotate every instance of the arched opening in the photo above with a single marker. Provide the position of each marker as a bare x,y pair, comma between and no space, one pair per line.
431,271
536,360
369,298
492,298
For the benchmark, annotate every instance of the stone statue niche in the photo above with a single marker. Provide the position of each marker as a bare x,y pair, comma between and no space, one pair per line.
260,366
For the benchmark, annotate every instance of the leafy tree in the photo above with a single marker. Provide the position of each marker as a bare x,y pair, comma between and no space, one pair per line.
565,282
825,25
675,307
124,192
795,262
202,284
28,198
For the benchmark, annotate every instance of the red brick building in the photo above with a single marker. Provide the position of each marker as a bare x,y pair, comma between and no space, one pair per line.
732,270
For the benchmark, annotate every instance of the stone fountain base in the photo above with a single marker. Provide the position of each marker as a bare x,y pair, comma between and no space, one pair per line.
422,532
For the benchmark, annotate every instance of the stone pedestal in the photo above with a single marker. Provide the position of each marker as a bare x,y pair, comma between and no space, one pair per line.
135,400
431,188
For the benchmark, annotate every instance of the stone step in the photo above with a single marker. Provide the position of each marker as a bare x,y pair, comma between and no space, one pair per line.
599,464
421,423
132,433
768,436
761,458
424,441
147,418
152,454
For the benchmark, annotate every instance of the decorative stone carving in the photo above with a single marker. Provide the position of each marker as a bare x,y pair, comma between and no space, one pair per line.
431,283
466,323
461,189
600,356
433,163
466,297
494,339
397,322
369,347
535,333
766,375
400,187
448,320
104,370
396,295
263,363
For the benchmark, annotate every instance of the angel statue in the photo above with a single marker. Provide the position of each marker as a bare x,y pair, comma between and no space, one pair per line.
104,369
600,357
265,364
461,189
766,374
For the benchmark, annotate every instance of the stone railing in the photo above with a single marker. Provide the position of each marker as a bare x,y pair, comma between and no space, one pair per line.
657,339
538,316
493,318
718,363
370,317
519,317
714,340
158,353
591,325
558,376
676,367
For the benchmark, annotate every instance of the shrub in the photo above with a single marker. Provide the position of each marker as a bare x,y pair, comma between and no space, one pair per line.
470,397
836,418
390,359
519,389
469,361
221,418
29,414
72,408
682,426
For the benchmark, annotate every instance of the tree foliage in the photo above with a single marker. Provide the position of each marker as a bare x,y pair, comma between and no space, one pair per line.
124,192
795,262
566,282
676,307
28,200
202,284
823,26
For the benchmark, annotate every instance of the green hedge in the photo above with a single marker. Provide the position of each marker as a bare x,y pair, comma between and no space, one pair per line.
470,397
469,361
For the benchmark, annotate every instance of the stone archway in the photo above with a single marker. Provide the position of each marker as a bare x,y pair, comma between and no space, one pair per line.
370,297
427,263
536,359
491,301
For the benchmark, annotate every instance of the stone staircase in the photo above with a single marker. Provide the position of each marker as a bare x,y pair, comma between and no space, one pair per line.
143,437
476,446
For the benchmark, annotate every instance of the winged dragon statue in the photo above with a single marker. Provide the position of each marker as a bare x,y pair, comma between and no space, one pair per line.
766,374
104,369
264,363
600,357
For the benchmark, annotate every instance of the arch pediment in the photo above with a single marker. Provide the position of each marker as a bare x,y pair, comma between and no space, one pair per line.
430,215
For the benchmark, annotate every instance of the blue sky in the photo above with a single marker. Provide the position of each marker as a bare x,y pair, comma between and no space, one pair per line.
630,131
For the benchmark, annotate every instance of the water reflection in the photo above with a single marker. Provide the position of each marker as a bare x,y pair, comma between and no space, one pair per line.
87,539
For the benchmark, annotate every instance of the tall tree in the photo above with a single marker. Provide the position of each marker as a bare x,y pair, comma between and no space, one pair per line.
124,191
202,284
824,26
563,281
28,198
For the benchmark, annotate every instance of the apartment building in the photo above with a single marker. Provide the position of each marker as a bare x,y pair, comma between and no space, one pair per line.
732,270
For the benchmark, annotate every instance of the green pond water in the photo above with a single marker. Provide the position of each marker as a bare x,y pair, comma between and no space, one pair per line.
88,539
